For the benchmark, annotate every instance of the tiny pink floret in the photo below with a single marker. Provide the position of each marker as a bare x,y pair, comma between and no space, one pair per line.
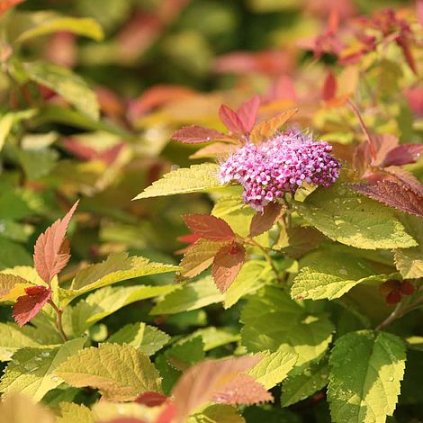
269,170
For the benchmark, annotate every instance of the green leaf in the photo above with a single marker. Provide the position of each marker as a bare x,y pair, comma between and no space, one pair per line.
74,413
218,413
274,367
105,302
351,219
147,339
44,23
197,178
300,386
252,276
409,261
328,274
191,296
13,254
13,338
31,371
12,287
120,372
8,120
67,84
366,369
271,319
215,337
116,268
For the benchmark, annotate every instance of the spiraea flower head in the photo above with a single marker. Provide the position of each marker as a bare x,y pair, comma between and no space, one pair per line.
269,170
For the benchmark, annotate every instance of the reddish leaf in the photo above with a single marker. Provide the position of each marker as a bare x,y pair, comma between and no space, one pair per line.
51,252
151,399
407,288
197,134
406,178
209,227
110,155
168,414
419,11
5,5
383,144
329,87
202,382
231,119
189,238
226,265
124,420
247,113
28,306
199,257
262,222
404,42
243,389
403,154
415,100
282,88
394,193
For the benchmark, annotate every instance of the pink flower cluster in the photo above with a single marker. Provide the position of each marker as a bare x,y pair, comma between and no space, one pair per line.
269,170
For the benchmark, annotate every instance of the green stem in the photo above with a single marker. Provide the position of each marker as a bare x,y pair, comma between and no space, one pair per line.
59,322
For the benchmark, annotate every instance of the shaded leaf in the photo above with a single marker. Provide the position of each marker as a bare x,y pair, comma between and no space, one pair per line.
226,265
51,252
71,413
209,227
268,128
403,154
12,287
13,338
27,306
262,222
120,372
329,87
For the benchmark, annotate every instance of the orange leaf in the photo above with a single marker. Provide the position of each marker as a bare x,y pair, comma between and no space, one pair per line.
267,129
51,252
5,5
199,384
262,222
199,257
209,227
197,134
226,265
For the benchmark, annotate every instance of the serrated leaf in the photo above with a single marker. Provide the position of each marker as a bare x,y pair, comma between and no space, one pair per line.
252,276
226,265
199,257
394,193
116,268
147,339
105,302
209,227
197,134
197,178
190,296
409,261
203,381
20,409
67,84
354,220
51,252
300,386
13,338
268,128
120,372
72,413
274,367
247,113
403,154
29,305
46,23
329,275
271,320
12,287
366,369
31,371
